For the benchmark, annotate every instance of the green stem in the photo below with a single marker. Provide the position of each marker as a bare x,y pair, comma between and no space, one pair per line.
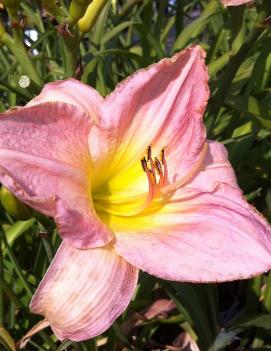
19,51
71,47
267,294
10,294
127,5
16,265
19,91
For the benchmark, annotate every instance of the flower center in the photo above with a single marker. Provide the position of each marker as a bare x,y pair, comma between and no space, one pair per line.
114,201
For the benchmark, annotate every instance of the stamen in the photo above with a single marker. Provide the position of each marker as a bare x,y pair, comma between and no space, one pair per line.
149,152
163,155
155,168
164,163
159,168
144,164
150,160
151,184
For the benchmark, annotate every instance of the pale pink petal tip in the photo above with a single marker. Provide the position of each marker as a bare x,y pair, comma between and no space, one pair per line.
84,291
235,2
71,91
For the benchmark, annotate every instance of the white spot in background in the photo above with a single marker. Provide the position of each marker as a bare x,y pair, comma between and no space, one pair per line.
24,81
33,35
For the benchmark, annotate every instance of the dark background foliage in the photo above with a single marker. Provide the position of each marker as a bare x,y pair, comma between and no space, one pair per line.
126,36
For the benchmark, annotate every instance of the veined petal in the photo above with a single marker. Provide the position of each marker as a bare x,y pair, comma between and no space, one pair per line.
202,237
44,156
84,291
215,168
160,106
235,2
73,92
206,232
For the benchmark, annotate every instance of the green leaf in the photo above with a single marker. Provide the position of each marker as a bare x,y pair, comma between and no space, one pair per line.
223,339
141,60
259,321
195,28
252,108
116,30
17,229
191,303
6,340
64,345
152,41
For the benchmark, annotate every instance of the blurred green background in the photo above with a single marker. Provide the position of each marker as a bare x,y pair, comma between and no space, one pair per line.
42,41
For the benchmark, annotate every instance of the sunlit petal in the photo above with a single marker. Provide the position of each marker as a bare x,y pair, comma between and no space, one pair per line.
204,232
160,106
84,291
235,2
71,91
44,156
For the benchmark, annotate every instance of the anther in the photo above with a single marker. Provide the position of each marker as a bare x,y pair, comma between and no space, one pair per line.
155,168
144,164
163,156
156,172
164,164
158,166
149,152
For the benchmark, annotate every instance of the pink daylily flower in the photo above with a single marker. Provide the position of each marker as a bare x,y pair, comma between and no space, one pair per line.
132,183
235,2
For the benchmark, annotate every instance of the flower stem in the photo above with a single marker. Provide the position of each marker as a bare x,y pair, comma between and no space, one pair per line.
16,264
71,47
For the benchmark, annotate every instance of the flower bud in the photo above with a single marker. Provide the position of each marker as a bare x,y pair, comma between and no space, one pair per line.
13,206
91,15
77,10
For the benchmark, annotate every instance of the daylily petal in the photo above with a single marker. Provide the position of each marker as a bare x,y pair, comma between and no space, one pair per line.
235,2
200,237
206,231
84,291
160,106
71,91
215,168
44,157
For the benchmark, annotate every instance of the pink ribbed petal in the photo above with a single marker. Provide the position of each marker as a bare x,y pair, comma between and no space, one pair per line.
44,157
84,291
215,168
235,2
161,106
201,237
206,232
71,91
